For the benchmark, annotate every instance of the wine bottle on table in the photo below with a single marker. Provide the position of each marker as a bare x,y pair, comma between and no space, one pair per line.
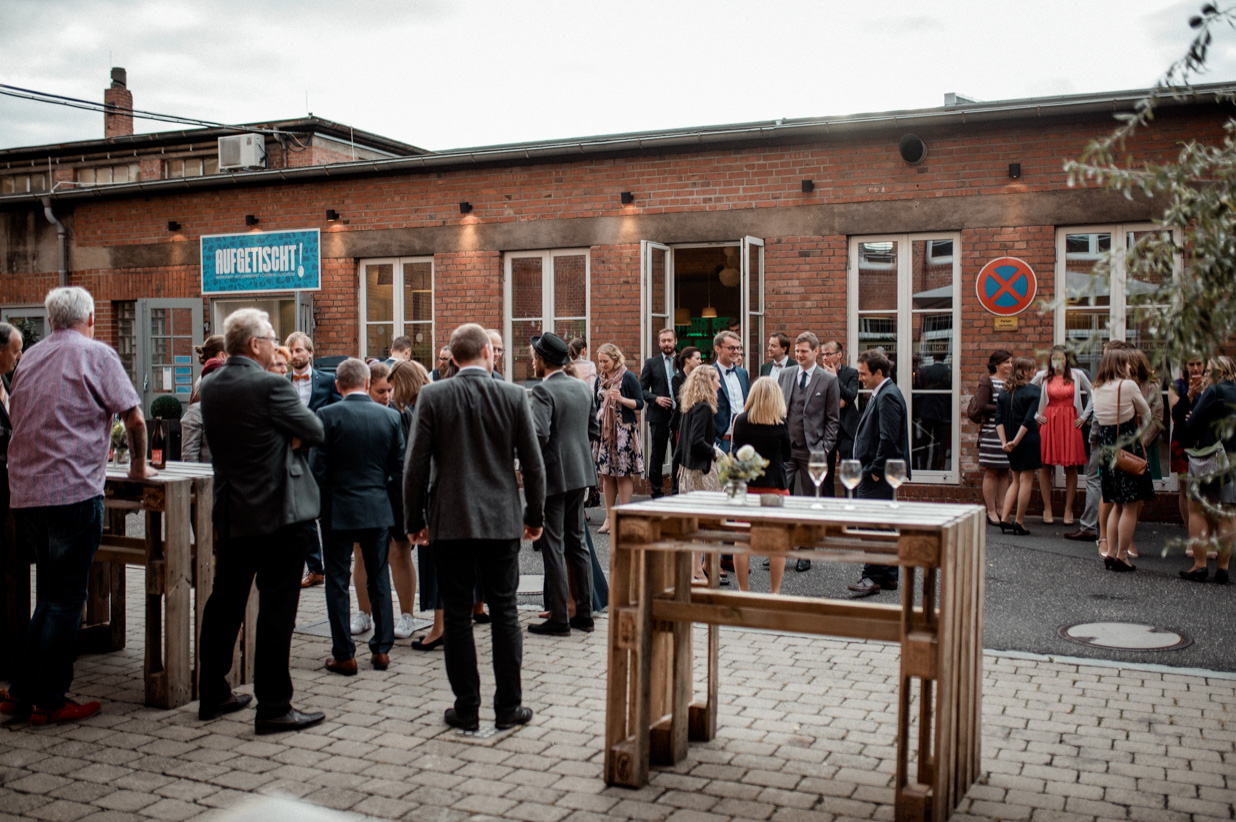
157,446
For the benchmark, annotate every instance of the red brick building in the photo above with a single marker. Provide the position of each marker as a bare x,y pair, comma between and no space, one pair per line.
790,225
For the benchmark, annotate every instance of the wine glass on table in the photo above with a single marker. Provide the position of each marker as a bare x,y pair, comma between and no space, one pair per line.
817,469
851,474
895,475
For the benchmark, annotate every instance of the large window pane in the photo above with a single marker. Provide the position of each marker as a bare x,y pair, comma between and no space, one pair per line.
417,292
1085,333
931,274
378,340
755,269
931,416
526,288
878,331
570,286
1082,252
1145,286
520,353
380,293
877,276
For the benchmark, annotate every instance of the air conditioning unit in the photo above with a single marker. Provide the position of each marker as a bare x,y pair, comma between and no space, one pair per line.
242,151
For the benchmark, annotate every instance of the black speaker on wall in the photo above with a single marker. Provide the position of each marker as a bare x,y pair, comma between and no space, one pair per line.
913,149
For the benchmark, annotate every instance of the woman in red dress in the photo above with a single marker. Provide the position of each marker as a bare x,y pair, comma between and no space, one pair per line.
1062,413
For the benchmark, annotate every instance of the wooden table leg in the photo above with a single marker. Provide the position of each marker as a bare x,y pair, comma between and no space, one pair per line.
703,716
167,598
630,629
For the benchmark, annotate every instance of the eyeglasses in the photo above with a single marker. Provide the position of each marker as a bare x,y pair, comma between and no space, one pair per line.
732,347
273,340
446,358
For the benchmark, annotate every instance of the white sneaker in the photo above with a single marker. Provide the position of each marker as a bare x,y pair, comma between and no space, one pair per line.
403,628
361,622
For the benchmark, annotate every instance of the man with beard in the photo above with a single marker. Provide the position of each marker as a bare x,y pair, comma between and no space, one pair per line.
316,390
655,379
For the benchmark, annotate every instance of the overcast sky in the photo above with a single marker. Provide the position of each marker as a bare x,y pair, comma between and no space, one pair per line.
442,74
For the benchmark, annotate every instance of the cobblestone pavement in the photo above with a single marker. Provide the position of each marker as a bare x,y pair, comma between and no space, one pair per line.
806,733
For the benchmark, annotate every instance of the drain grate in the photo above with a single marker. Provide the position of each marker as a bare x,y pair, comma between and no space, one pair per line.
1125,636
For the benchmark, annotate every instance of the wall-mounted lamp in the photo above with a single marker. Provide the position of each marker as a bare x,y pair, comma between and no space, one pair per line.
465,208
808,186
627,198
251,219
172,225
1015,171
331,215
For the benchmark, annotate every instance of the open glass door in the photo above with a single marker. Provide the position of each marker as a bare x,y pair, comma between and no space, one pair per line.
752,288
657,300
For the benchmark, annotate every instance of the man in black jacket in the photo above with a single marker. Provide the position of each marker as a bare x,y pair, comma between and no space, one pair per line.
847,382
470,429
562,410
363,446
882,436
655,379
265,505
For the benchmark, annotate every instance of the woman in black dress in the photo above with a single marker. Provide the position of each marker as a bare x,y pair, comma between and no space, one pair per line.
1121,414
684,363
697,436
1016,408
762,426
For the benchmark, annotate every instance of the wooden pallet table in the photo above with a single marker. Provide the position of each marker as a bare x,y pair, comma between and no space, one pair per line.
177,559
939,625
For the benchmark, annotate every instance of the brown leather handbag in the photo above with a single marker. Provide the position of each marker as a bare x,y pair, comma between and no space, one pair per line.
1127,461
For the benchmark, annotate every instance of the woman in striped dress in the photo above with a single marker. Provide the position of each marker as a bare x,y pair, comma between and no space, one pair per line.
992,457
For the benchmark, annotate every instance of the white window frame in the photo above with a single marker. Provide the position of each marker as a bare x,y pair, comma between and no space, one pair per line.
548,319
1118,304
399,326
903,262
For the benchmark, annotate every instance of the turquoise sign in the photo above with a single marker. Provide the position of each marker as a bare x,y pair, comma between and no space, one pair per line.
266,261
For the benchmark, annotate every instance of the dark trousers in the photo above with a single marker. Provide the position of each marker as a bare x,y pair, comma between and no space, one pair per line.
275,561
566,555
62,539
877,489
313,560
427,577
337,553
656,460
600,585
841,451
495,562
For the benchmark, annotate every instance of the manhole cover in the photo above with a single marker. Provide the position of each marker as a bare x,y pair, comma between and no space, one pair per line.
1125,636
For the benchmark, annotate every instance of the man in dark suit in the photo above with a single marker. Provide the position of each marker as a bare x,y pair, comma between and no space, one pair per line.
933,412
655,379
778,355
14,607
882,435
847,383
812,414
265,505
735,385
363,447
495,339
315,390
562,410
470,429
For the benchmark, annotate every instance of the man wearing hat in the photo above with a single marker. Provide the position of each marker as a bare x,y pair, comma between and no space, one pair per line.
562,410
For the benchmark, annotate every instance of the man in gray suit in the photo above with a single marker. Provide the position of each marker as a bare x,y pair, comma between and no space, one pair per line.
364,446
813,405
265,505
565,427
470,429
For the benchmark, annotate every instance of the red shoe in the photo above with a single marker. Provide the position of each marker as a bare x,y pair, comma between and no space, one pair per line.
70,711
16,708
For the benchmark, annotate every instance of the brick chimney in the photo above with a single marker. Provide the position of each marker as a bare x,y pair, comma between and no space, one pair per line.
118,96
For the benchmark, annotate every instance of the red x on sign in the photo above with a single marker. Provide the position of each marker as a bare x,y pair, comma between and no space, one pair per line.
1006,286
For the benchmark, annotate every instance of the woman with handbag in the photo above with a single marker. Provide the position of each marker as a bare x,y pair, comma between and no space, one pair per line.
1018,430
982,411
1210,433
1061,415
1120,412
619,455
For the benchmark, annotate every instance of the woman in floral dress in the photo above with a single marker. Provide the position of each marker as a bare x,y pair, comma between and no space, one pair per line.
618,454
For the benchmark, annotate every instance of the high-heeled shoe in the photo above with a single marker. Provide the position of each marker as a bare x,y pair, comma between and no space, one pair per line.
1102,543
1120,566
1108,562
1005,527
1133,553
421,645
1019,529
995,523
1196,574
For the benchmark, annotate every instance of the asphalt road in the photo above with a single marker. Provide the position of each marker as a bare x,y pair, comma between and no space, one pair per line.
1039,583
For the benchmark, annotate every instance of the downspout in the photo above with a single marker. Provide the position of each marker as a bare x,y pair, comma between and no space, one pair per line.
62,240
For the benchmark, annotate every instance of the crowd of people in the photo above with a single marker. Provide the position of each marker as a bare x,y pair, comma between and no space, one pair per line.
1033,420
328,478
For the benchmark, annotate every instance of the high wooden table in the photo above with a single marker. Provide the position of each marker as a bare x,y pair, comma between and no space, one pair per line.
939,624
177,559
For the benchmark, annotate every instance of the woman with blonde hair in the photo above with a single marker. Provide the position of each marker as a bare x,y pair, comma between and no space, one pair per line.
697,437
618,453
1118,405
762,426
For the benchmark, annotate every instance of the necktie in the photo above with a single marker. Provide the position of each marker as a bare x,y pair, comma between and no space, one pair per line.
802,382
296,377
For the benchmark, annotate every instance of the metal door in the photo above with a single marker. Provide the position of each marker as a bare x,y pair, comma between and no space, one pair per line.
167,331
304,312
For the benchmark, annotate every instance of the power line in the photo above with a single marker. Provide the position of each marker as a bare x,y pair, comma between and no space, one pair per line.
109,108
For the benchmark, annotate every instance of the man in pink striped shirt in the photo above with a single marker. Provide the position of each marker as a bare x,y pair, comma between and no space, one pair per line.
64,396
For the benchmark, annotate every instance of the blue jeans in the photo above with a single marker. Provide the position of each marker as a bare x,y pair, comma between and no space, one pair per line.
63,540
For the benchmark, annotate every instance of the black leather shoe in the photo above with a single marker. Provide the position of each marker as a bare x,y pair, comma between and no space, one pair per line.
802,565
519,716
864,587
548,628
293,720
584,624
419,644
482,618
234,702
1221,577
1199,575
463,723
1082,534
